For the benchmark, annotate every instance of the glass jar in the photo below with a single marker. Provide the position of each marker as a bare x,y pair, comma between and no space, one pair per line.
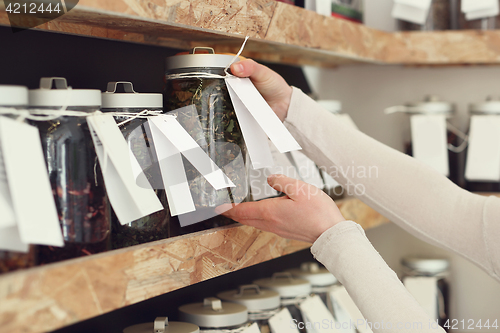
320,278
416,270
13,97
162,325
484,23
262,304
292,292
74,173
456,140
198,79
491,107
138,135
440,17
213,315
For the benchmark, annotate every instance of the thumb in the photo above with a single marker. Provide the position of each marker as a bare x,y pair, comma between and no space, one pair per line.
290,186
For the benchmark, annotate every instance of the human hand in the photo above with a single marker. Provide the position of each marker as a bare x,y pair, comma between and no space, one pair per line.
270,84
303,214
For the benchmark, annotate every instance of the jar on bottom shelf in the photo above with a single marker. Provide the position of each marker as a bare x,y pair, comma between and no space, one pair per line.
74,172
213,316
262,304
292,292
162,325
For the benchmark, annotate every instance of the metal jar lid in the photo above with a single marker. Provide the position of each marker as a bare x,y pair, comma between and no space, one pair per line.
317,276
162,325
214,313
331,105
254,298
426,265
62,95
200,60
13,95
431,104
129,99
286,285
490,106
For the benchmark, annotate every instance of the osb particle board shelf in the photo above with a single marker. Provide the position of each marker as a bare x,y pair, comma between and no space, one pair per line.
279,33
53,296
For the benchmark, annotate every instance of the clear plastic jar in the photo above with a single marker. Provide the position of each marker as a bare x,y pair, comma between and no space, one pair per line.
74,173
14,97
213,126
415,269
138,135
292,292
440,17
262,304
215,316
162,325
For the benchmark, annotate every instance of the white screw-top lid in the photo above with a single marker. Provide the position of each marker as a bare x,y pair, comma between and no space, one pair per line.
214,313
13,95
62,94
430,105
162,325
254,298
426,265
286,285
129,99
316,275
491,106
331,105
202,60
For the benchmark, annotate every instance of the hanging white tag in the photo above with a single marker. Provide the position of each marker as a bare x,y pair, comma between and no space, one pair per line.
330,183
415,11
282,322
339,295
263,114
484,13
307,169
344,321
254,328
129,201
477,5
255,137
317,314
425,291
10,240
324,7
184,143
173,173
429,142
29,184
483,155
7,216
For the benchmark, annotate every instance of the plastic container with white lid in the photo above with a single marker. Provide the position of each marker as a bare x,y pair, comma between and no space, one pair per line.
74,173
215,315
162,325
13,96
138,135
292,291
262,304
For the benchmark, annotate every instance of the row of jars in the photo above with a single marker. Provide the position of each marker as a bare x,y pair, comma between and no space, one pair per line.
460,159
284,295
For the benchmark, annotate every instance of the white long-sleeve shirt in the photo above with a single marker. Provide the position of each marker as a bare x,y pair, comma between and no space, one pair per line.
406,191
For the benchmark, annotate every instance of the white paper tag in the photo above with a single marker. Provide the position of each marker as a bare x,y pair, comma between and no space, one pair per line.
483,155
339,295
10,240
429,142
344,321
184,143
330,183
255,137
254,328
308,171
410,13
318,316
29,184
129,201
324,7
425,291
477,5
282,322
484,13
173,173
263,114
7,216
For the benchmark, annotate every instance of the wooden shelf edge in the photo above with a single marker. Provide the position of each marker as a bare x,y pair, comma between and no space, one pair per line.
53,296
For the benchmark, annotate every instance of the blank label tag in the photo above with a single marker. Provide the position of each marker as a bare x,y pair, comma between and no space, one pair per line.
415,11
468,6
307,169
282,322
340,296
29,184
7,217
254,328
263,114
429,142
425,291
483,155
130,201
317,314
10,240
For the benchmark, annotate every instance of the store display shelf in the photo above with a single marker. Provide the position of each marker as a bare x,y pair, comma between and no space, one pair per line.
46,298
278,33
